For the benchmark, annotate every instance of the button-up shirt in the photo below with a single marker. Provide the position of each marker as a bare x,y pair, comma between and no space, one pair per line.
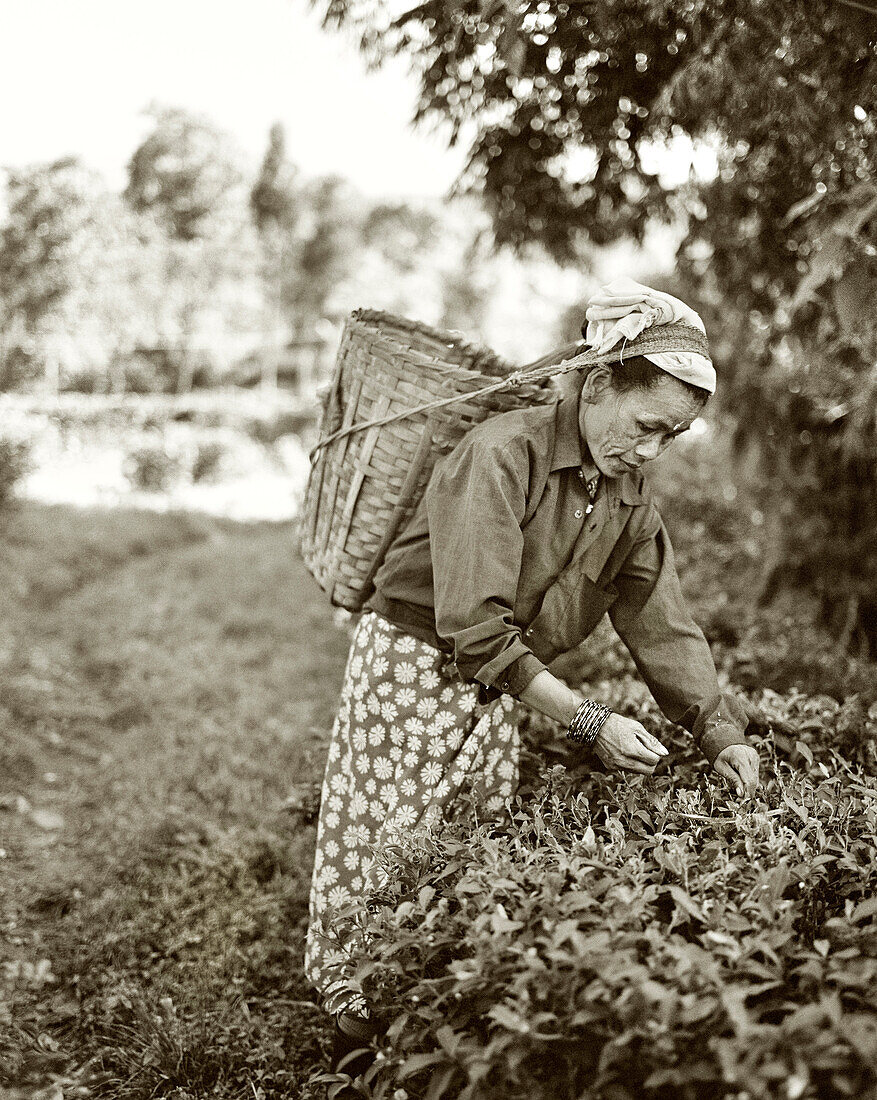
504,566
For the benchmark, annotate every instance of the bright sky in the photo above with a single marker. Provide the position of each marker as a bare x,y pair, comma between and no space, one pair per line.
75,78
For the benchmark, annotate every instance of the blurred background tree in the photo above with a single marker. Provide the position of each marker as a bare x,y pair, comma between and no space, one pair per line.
180,282
187,178
185,173
466,288
44,245
566,108
275,203
330,234
310,233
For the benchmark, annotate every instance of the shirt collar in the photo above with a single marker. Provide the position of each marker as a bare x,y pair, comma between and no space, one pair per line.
569,449
631,488
568,444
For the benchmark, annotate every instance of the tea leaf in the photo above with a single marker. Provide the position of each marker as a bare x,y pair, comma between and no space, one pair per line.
863,910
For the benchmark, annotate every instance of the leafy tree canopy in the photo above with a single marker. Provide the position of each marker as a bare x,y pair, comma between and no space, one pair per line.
52,209
185,172
563,103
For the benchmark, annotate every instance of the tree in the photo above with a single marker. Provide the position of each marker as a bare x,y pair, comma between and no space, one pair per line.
185,173
276,206
273,198
569,101
466,289
49,208
186,177
45,252
327,240
309,234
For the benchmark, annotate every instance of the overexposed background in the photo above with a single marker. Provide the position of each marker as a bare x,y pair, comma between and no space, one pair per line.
144,317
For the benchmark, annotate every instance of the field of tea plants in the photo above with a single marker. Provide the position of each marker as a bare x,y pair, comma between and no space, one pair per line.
629,938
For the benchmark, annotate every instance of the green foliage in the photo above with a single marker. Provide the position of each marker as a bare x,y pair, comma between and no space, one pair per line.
309,234
59,247
808,403
565,106
273,198
49,210
536,84
14,464
633,938
89,289
326,250
184,173
151,466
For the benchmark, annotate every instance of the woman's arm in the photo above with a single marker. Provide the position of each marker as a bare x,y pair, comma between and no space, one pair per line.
675,661
475,503
621,743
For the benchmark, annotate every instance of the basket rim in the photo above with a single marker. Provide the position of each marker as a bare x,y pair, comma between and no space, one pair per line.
381,320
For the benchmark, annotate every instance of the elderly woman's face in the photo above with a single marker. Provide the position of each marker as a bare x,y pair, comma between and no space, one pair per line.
624,430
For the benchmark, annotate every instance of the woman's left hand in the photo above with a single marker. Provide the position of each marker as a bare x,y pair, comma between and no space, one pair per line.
739,763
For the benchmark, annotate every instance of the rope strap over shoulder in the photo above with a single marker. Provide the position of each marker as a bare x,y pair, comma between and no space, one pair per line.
672,337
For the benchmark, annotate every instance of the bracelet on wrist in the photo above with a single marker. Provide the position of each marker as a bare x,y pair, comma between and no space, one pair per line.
588,720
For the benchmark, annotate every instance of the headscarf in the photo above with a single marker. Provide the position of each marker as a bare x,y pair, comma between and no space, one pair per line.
622,309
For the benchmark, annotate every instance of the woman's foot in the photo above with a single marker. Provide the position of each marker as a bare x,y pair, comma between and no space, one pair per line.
352,1052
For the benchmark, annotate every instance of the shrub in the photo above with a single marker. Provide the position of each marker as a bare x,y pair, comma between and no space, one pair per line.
625,938
19,365
14,464
208,457
151,467
267,430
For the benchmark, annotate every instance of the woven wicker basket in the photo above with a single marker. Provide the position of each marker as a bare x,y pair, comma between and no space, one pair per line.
402,395
365,484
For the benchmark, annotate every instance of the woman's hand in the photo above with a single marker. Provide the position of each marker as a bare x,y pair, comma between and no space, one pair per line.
739,763
624,743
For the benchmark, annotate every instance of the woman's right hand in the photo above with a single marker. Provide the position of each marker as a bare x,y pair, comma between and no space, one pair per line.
624,743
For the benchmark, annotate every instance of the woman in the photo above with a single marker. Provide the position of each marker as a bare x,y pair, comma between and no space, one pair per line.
529,531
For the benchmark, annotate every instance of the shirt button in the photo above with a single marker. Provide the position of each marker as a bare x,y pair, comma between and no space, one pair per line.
505,685
579,513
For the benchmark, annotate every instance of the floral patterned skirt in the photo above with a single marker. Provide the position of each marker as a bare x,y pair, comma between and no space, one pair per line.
406,742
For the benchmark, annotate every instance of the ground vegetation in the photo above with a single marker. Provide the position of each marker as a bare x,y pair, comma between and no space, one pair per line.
168,683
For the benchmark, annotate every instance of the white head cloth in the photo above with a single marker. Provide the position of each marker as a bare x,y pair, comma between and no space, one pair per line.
624,308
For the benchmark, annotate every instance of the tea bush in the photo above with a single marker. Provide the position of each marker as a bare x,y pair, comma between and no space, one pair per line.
653,938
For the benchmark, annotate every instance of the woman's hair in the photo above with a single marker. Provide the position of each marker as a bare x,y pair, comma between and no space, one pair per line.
637,372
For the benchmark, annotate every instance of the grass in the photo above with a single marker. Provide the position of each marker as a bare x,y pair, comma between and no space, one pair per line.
167,683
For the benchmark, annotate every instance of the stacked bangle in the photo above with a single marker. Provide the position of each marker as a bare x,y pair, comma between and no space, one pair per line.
587,722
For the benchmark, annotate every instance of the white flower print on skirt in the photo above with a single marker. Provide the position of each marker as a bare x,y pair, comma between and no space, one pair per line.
407,740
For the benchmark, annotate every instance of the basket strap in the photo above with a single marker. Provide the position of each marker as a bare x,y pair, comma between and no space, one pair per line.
517,378
335,480
407,495
356,484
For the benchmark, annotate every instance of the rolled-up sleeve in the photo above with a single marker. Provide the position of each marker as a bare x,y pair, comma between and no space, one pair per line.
669,648
476,501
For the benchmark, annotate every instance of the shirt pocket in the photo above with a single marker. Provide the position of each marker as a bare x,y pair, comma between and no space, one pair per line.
570,611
